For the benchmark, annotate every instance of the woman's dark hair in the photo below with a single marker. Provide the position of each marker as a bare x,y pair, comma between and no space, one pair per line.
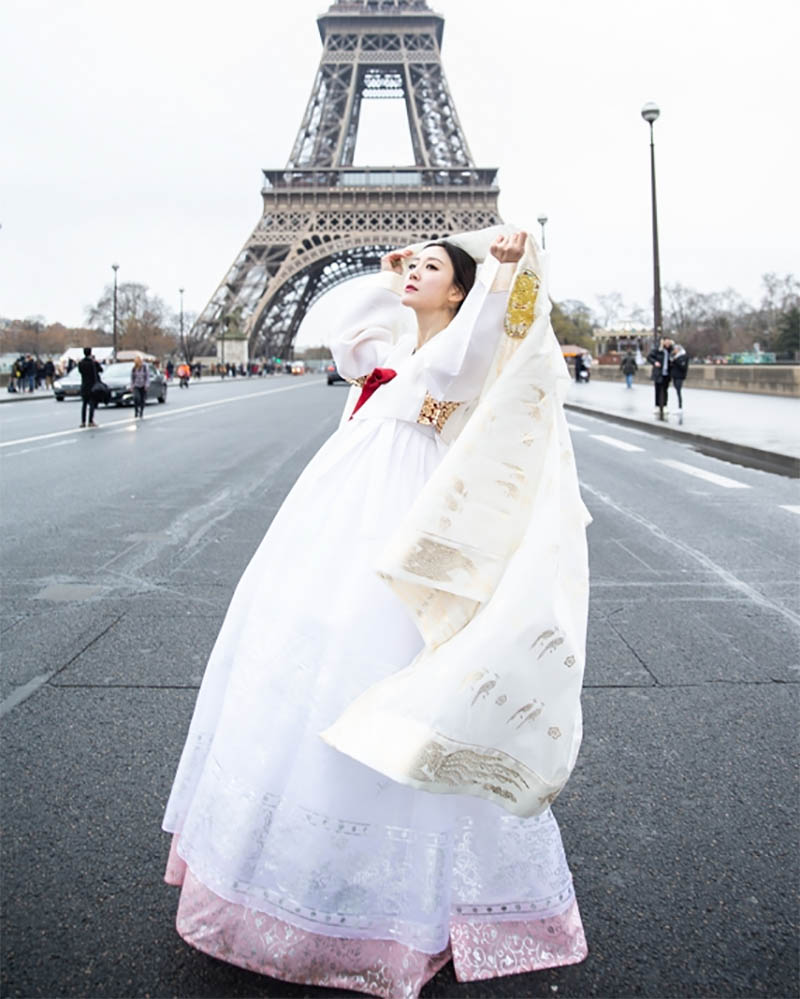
464,267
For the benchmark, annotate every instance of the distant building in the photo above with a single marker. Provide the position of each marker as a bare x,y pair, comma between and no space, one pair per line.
627,334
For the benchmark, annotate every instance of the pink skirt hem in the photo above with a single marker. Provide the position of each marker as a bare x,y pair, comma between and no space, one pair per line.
480,948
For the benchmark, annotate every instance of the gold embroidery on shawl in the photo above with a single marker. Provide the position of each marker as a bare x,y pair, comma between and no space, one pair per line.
460,767
361,381
531,712
435,413
434,560
548,646
521,304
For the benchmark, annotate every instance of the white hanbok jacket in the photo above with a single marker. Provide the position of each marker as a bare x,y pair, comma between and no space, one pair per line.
491,560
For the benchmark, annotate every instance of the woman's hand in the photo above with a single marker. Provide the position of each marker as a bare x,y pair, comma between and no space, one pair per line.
509,249
394,261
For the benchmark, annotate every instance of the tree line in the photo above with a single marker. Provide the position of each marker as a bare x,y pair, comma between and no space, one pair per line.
706,323
144,322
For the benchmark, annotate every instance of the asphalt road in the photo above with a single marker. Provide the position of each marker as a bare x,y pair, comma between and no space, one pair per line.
120,550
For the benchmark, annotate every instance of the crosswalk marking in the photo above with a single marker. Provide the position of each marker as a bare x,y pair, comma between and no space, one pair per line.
701,473
615,442
791,509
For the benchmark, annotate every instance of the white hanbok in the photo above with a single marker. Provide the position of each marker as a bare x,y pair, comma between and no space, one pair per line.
296,860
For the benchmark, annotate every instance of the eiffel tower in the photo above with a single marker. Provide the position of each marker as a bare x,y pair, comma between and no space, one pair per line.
325,220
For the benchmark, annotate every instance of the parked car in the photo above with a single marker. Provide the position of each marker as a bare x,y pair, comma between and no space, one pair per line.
333,374
118,379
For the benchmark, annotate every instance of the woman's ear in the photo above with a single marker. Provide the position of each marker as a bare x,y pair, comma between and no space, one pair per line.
455,296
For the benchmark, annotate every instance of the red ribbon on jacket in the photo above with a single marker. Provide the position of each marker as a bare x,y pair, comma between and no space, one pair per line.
380,376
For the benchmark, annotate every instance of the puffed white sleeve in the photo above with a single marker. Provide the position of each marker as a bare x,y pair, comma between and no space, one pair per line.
367,331
457,360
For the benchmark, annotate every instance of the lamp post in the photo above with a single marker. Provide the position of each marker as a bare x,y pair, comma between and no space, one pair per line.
183,342
542,219
115,268
650,113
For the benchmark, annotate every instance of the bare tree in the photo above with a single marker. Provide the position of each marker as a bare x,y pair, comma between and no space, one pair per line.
143,321
611,309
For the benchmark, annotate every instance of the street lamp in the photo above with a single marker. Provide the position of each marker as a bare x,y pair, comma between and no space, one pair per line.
650,113
183,342
115,268
542,220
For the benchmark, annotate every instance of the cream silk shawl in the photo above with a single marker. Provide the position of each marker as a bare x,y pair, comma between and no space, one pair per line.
492,563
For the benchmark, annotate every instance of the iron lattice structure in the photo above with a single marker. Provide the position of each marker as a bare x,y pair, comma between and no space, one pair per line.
325,220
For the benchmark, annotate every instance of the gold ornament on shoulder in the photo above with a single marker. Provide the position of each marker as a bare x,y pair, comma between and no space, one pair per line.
436,413
521,304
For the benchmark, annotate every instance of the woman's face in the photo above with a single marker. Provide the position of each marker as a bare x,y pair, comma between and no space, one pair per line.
429,285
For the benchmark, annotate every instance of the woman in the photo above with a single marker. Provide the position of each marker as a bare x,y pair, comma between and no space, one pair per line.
679,367
296,860
140,382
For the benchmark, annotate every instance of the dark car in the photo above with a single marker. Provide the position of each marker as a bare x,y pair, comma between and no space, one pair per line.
118,379
333,374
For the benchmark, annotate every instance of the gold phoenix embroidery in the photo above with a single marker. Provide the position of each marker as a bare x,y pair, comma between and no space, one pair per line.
460,767
435,413
434,560
521,304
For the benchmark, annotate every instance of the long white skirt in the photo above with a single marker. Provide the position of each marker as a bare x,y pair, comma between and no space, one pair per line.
297,861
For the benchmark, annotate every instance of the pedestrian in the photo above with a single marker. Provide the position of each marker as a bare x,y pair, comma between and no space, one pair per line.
184,373
679,367
18,372
90,372
29,373
659,358
169,369
321,840
629,368
140,383
578,368
49,372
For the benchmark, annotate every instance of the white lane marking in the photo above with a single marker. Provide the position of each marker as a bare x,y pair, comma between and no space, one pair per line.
701,473
159,416
791,509
573,428
727,577
614,442
43,447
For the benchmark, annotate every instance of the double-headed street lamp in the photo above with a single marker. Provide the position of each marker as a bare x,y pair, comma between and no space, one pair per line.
650,113
115,268
542,221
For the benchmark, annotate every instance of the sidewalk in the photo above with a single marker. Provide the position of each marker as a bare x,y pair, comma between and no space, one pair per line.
732,422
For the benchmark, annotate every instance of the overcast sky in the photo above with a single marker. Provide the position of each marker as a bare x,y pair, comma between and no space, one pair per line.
134,131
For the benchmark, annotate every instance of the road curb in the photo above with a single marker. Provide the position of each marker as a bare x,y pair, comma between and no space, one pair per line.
12,397
740,454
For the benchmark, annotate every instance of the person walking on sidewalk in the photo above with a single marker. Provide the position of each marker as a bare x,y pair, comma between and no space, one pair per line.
140,382
90,372
659,357
629,367
679,367
29,373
